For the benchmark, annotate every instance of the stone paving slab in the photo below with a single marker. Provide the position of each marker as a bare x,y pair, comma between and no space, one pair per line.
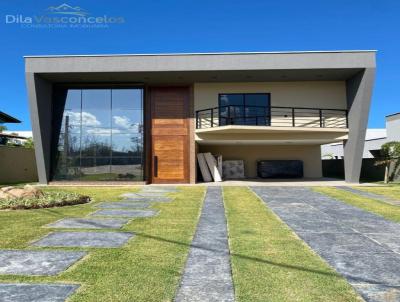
372,268
379,197
378,292
207,275
89,223
360,245
158,191
84,239
123,204
32,263
340,243
148,199
36,292
126,213
388,240
143,194
160,188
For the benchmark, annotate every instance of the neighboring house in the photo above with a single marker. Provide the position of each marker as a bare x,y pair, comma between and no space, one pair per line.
374,139
144,117
6,119
17,137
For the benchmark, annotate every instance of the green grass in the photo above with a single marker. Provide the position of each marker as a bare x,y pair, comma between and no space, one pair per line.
269,262
148,268
388,211
391,190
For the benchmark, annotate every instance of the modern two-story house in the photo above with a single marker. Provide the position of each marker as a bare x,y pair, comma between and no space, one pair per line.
145,117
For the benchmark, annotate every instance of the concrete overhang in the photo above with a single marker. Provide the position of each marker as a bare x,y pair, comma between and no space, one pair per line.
267,135
207,67
229,129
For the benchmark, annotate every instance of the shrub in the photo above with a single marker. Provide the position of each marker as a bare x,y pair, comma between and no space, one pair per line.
48,200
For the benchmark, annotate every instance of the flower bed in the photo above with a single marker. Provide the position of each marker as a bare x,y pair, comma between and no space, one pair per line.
47,200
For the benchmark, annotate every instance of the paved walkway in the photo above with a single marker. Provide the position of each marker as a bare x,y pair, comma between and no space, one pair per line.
370,195
53,262
361,246
207,275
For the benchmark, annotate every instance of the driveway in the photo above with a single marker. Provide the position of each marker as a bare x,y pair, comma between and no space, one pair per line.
361,246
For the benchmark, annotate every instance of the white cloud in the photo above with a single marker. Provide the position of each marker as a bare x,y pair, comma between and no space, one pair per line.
104,131
88,119
122,121
125,123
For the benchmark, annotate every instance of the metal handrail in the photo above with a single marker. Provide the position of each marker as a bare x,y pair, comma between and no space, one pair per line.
279,116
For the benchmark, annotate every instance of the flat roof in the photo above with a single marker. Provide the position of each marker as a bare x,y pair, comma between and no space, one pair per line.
202,53
5,118
393,114
203,67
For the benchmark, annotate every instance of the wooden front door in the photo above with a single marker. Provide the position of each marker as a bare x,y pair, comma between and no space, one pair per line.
169,134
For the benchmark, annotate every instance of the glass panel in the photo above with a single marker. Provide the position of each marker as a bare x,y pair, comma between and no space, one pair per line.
127,120
69,144
95,168
257,108
71,119
101,136
96,108
127,168
127,99
68,168
257,100
96,142
127,144
231,99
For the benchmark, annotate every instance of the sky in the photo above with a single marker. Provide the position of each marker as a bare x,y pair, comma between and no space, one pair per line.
204,26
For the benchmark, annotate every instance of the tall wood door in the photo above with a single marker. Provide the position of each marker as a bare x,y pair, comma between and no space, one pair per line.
169,134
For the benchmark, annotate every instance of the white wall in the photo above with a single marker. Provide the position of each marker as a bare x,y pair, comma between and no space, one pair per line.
393,127
374,139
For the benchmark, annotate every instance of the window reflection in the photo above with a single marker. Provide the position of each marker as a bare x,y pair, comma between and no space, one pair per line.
100,135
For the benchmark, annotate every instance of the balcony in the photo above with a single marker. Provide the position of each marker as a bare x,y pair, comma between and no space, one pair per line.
293,117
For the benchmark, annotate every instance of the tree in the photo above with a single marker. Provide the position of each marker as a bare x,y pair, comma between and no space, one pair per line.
2,128
29,143
390,153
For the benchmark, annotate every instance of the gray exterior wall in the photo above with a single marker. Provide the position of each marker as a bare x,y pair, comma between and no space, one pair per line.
40,104
359,92
356,68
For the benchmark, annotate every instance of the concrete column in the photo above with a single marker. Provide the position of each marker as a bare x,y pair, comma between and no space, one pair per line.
358,91
40,100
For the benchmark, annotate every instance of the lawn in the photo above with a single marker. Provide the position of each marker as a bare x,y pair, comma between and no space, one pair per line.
269,262
391,190
148,268
388,211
